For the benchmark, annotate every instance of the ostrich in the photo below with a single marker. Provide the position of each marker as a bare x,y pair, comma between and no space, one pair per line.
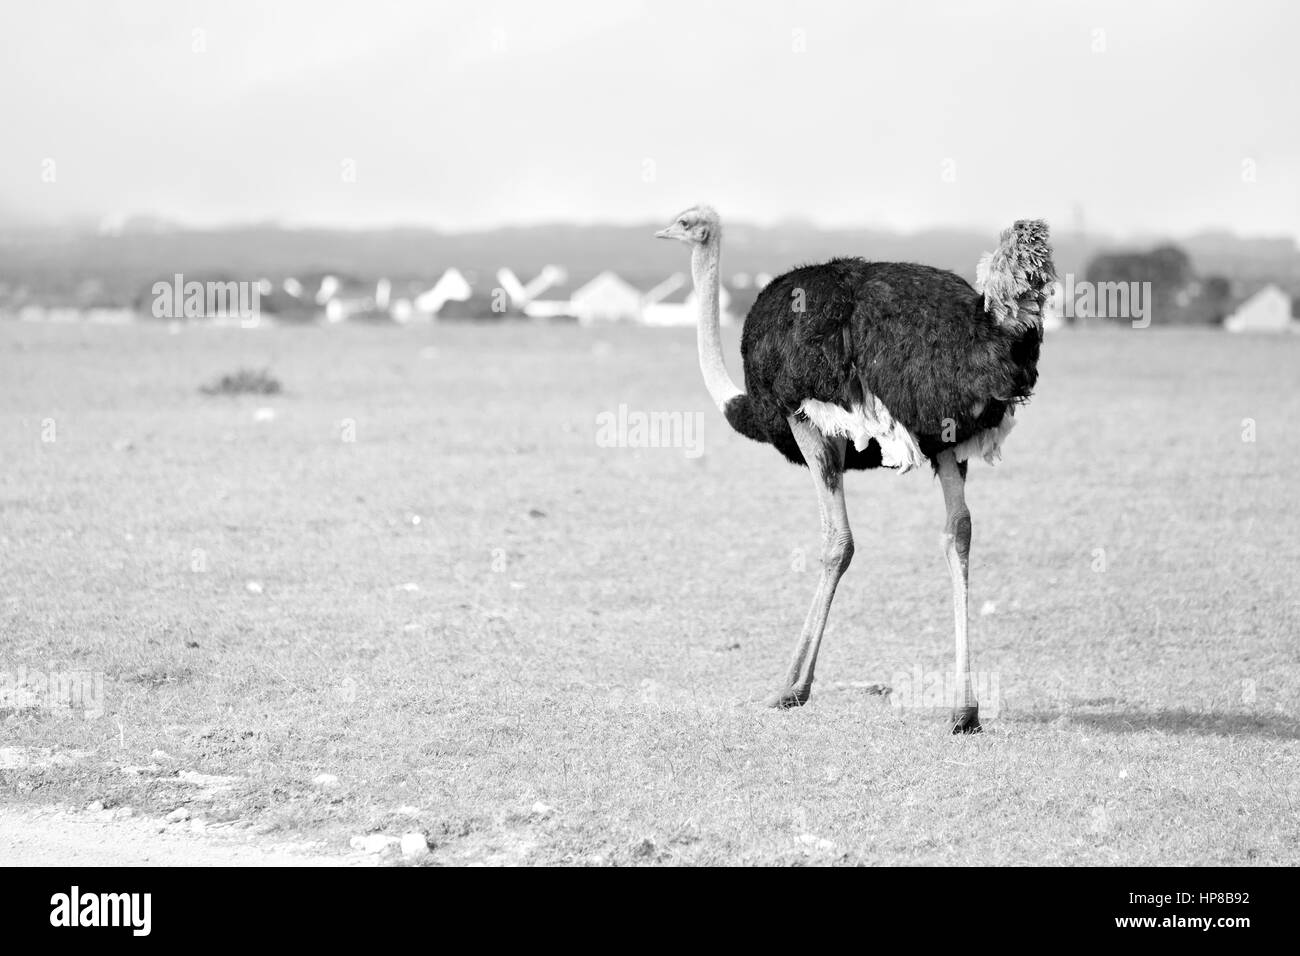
855,365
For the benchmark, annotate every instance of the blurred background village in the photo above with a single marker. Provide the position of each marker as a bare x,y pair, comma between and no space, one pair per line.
586,274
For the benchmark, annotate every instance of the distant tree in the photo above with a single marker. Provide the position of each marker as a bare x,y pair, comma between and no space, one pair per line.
1217,288
1215,301
1168,269
1170,266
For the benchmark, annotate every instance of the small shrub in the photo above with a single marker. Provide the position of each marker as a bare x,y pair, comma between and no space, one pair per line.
244,382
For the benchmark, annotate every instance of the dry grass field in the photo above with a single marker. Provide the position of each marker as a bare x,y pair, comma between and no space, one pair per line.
417,570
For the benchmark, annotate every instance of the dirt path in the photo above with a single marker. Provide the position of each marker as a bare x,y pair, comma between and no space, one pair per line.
49,837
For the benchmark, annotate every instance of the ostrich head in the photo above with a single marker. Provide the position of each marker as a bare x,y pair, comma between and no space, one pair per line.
696,226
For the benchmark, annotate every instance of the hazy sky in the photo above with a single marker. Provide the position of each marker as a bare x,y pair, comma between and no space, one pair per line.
1144,116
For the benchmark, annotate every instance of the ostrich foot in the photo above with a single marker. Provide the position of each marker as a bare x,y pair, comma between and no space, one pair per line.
965,720
789,697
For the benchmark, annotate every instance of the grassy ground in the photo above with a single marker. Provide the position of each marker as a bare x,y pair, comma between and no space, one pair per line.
474,607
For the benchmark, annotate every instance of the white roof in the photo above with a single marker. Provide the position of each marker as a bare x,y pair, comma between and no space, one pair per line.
1268,310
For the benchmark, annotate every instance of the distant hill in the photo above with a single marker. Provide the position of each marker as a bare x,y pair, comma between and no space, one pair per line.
115,265
1245,259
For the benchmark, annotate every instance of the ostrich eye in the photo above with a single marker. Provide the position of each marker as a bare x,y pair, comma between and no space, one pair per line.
682,223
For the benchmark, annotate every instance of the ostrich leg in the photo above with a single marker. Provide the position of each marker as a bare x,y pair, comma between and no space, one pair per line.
825,458
956,549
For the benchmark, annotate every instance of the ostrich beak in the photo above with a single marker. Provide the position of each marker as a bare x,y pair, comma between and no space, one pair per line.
664,234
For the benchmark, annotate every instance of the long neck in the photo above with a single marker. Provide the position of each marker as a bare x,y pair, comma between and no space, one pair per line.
704,270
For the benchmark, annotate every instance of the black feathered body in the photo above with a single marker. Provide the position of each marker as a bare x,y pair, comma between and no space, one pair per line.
917,338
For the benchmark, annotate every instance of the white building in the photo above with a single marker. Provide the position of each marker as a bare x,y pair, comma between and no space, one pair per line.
328,286
673,302
450,287
1268,310
606,298
610,298
521,295
656,307
551,304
